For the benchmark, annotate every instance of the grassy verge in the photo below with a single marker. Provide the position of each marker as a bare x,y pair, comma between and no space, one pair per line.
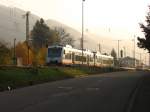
21,77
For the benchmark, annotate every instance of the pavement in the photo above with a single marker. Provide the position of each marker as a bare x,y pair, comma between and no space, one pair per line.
109,92
142,96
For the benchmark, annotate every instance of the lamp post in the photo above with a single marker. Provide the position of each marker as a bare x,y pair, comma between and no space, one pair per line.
134,51
118,52
118,48
14,51
82,39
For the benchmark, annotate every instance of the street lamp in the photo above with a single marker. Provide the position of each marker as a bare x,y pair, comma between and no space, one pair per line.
82,29
14,51
134,51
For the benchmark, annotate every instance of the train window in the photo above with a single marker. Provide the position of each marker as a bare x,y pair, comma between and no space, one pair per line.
54,52
77,58
84,59
99,60
91,59
68,56
105,61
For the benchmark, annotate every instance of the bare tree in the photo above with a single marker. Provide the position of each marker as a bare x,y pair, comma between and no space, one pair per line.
64,37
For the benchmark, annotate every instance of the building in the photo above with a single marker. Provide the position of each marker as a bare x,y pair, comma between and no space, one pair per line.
130,62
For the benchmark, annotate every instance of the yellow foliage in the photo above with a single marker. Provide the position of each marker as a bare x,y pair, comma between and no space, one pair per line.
22,52
41,56
7,59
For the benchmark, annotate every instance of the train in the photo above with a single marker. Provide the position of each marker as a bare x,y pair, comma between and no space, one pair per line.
67,55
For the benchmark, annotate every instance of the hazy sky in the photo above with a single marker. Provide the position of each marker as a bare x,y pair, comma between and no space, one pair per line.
118,17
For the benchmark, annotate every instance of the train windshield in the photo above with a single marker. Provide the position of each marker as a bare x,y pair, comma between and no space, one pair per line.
54,52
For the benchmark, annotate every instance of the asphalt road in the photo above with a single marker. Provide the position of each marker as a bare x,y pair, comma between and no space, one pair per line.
110,92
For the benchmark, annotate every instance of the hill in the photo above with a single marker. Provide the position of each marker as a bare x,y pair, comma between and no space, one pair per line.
12,25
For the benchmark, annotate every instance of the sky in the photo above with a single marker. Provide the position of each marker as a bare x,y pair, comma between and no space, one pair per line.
120,17
117,19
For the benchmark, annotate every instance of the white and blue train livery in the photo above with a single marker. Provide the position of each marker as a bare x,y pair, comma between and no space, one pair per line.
66,55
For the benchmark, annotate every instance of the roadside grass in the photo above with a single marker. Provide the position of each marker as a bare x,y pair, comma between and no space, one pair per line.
15,77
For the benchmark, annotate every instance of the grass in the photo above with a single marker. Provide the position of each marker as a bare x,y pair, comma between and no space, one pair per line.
21,77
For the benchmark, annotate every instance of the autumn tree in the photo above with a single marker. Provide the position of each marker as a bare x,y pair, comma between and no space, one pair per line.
22,53
145,42
41,56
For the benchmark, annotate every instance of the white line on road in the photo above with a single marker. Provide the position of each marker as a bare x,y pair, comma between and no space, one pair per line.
92,89
60,94
63,87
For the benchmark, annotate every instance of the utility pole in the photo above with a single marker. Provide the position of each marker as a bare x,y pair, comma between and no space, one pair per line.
118,51
27,35
14,51
134,51
124,51
99,47
118,48
82,39
140,59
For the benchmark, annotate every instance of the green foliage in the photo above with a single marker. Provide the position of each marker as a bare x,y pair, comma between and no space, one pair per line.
145,42
5,54
40,34
20,77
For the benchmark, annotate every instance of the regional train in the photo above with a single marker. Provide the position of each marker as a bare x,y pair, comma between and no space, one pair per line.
67,55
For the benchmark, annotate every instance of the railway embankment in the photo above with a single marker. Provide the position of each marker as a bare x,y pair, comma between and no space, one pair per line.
17,77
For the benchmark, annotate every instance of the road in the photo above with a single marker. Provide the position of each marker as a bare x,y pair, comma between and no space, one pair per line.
110,92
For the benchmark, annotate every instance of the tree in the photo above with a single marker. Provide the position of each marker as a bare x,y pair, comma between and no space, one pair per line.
41,56
40,34
21,52
64,37
114,54
5,54
145,42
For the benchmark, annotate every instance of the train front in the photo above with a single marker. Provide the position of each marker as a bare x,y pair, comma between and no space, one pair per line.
54,55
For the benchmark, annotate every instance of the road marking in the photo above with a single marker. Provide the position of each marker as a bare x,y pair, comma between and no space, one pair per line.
92,89
63,87
100,80
60,94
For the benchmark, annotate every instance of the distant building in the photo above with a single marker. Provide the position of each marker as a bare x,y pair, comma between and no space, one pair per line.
129,62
